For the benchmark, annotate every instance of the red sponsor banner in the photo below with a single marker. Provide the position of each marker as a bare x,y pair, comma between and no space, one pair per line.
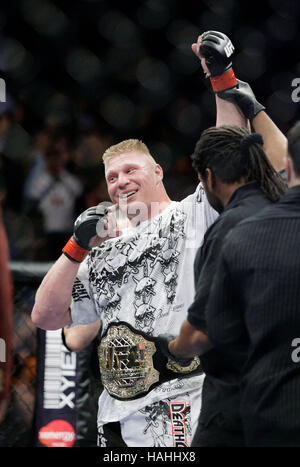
58,433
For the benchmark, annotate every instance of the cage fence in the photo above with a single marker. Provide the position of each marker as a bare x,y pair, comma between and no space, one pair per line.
25,414
17,427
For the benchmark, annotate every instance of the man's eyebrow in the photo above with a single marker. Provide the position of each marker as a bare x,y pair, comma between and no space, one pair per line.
131,164
124,167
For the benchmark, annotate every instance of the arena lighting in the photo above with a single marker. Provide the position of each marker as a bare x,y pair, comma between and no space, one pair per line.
212,21
248,35
181,32
44,17
189,119
119,111
153,74
282,80
153,14
282,29
245,60
181,62
280,106
118,29
83,65
220,7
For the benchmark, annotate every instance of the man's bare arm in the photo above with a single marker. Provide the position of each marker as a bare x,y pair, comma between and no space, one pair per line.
192,341
275,143
227,113
244,106
53,297
80,336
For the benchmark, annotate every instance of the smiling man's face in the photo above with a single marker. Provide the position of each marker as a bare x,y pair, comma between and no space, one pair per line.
132,182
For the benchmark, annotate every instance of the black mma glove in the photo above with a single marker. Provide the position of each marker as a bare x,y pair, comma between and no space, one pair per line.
243,96
217,50
163,342
77,248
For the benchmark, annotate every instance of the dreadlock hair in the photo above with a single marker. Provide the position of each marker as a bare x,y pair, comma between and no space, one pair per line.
293,138
223,150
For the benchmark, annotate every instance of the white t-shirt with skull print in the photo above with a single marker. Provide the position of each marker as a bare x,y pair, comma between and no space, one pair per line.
145,277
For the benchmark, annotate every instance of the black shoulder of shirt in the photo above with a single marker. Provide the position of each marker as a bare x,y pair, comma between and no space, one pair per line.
245,202
288,207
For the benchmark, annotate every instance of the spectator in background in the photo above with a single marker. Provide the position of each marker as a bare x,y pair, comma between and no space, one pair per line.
91,145
181,179
94,193
86,156
54,194
88,169
36,158
14,145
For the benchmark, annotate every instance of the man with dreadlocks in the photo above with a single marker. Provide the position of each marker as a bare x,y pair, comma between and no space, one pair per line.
254,304
238,180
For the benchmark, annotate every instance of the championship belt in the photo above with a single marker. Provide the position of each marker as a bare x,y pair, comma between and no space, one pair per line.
131,363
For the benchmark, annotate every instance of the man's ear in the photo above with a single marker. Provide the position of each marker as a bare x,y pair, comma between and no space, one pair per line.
159,171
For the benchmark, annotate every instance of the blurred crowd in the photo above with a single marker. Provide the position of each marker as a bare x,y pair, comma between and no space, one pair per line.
93,73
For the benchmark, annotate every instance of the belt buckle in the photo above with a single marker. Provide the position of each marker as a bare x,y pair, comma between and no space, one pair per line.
126,363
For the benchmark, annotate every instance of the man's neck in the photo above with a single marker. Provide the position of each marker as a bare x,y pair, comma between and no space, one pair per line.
228,190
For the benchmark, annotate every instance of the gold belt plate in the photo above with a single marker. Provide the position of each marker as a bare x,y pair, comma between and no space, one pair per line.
126,363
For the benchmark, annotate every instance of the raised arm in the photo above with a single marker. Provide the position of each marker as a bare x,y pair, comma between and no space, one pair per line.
214,50
228,113
275,143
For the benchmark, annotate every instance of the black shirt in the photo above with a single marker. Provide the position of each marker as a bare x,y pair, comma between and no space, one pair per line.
220,392
254,308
